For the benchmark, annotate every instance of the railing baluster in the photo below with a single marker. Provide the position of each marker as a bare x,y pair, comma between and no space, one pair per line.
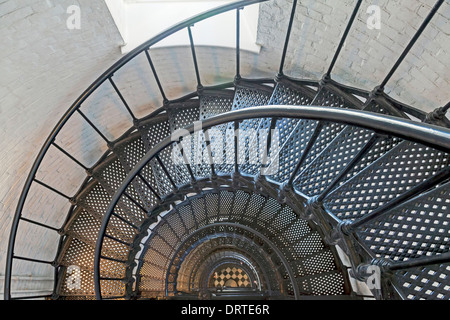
238,44
112,259
412,42
165,100
273,123
52,189
94,127
122,98
439,177
305,153
70,156
188,165
194,56
236,146
208,150
33,260
344,37
39,224
166,172
288,36
348,167
149,186
117,240
125,220
135,202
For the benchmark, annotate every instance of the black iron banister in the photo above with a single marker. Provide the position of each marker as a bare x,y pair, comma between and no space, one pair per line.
236,147
238,45
429,135
93,126
155,75
194,57
149,186
52,189
122,98
264,160
344,37
137,204
39,224
348,167
412,42
70,156
426,134
305,153
288,36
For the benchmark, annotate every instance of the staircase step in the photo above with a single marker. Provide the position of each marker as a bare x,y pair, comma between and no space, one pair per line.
412,230
398,170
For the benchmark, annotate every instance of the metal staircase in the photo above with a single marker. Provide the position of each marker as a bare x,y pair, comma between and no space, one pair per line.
308,187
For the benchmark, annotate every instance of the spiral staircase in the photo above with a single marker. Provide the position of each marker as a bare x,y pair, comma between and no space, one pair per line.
257,189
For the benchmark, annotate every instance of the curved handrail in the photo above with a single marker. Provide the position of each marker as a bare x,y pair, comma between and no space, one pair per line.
77,104
431,135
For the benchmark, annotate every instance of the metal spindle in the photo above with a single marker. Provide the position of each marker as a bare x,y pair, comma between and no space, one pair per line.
194,56
33,260
158,82
149,186
94,127
125,220
39,224
117,240
188,165
288,35
273,124
344,37
305,153
412,42
236,146
122,98
52,189
166,171
238,41
70,156
112,259
208,150
348,167
135,202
